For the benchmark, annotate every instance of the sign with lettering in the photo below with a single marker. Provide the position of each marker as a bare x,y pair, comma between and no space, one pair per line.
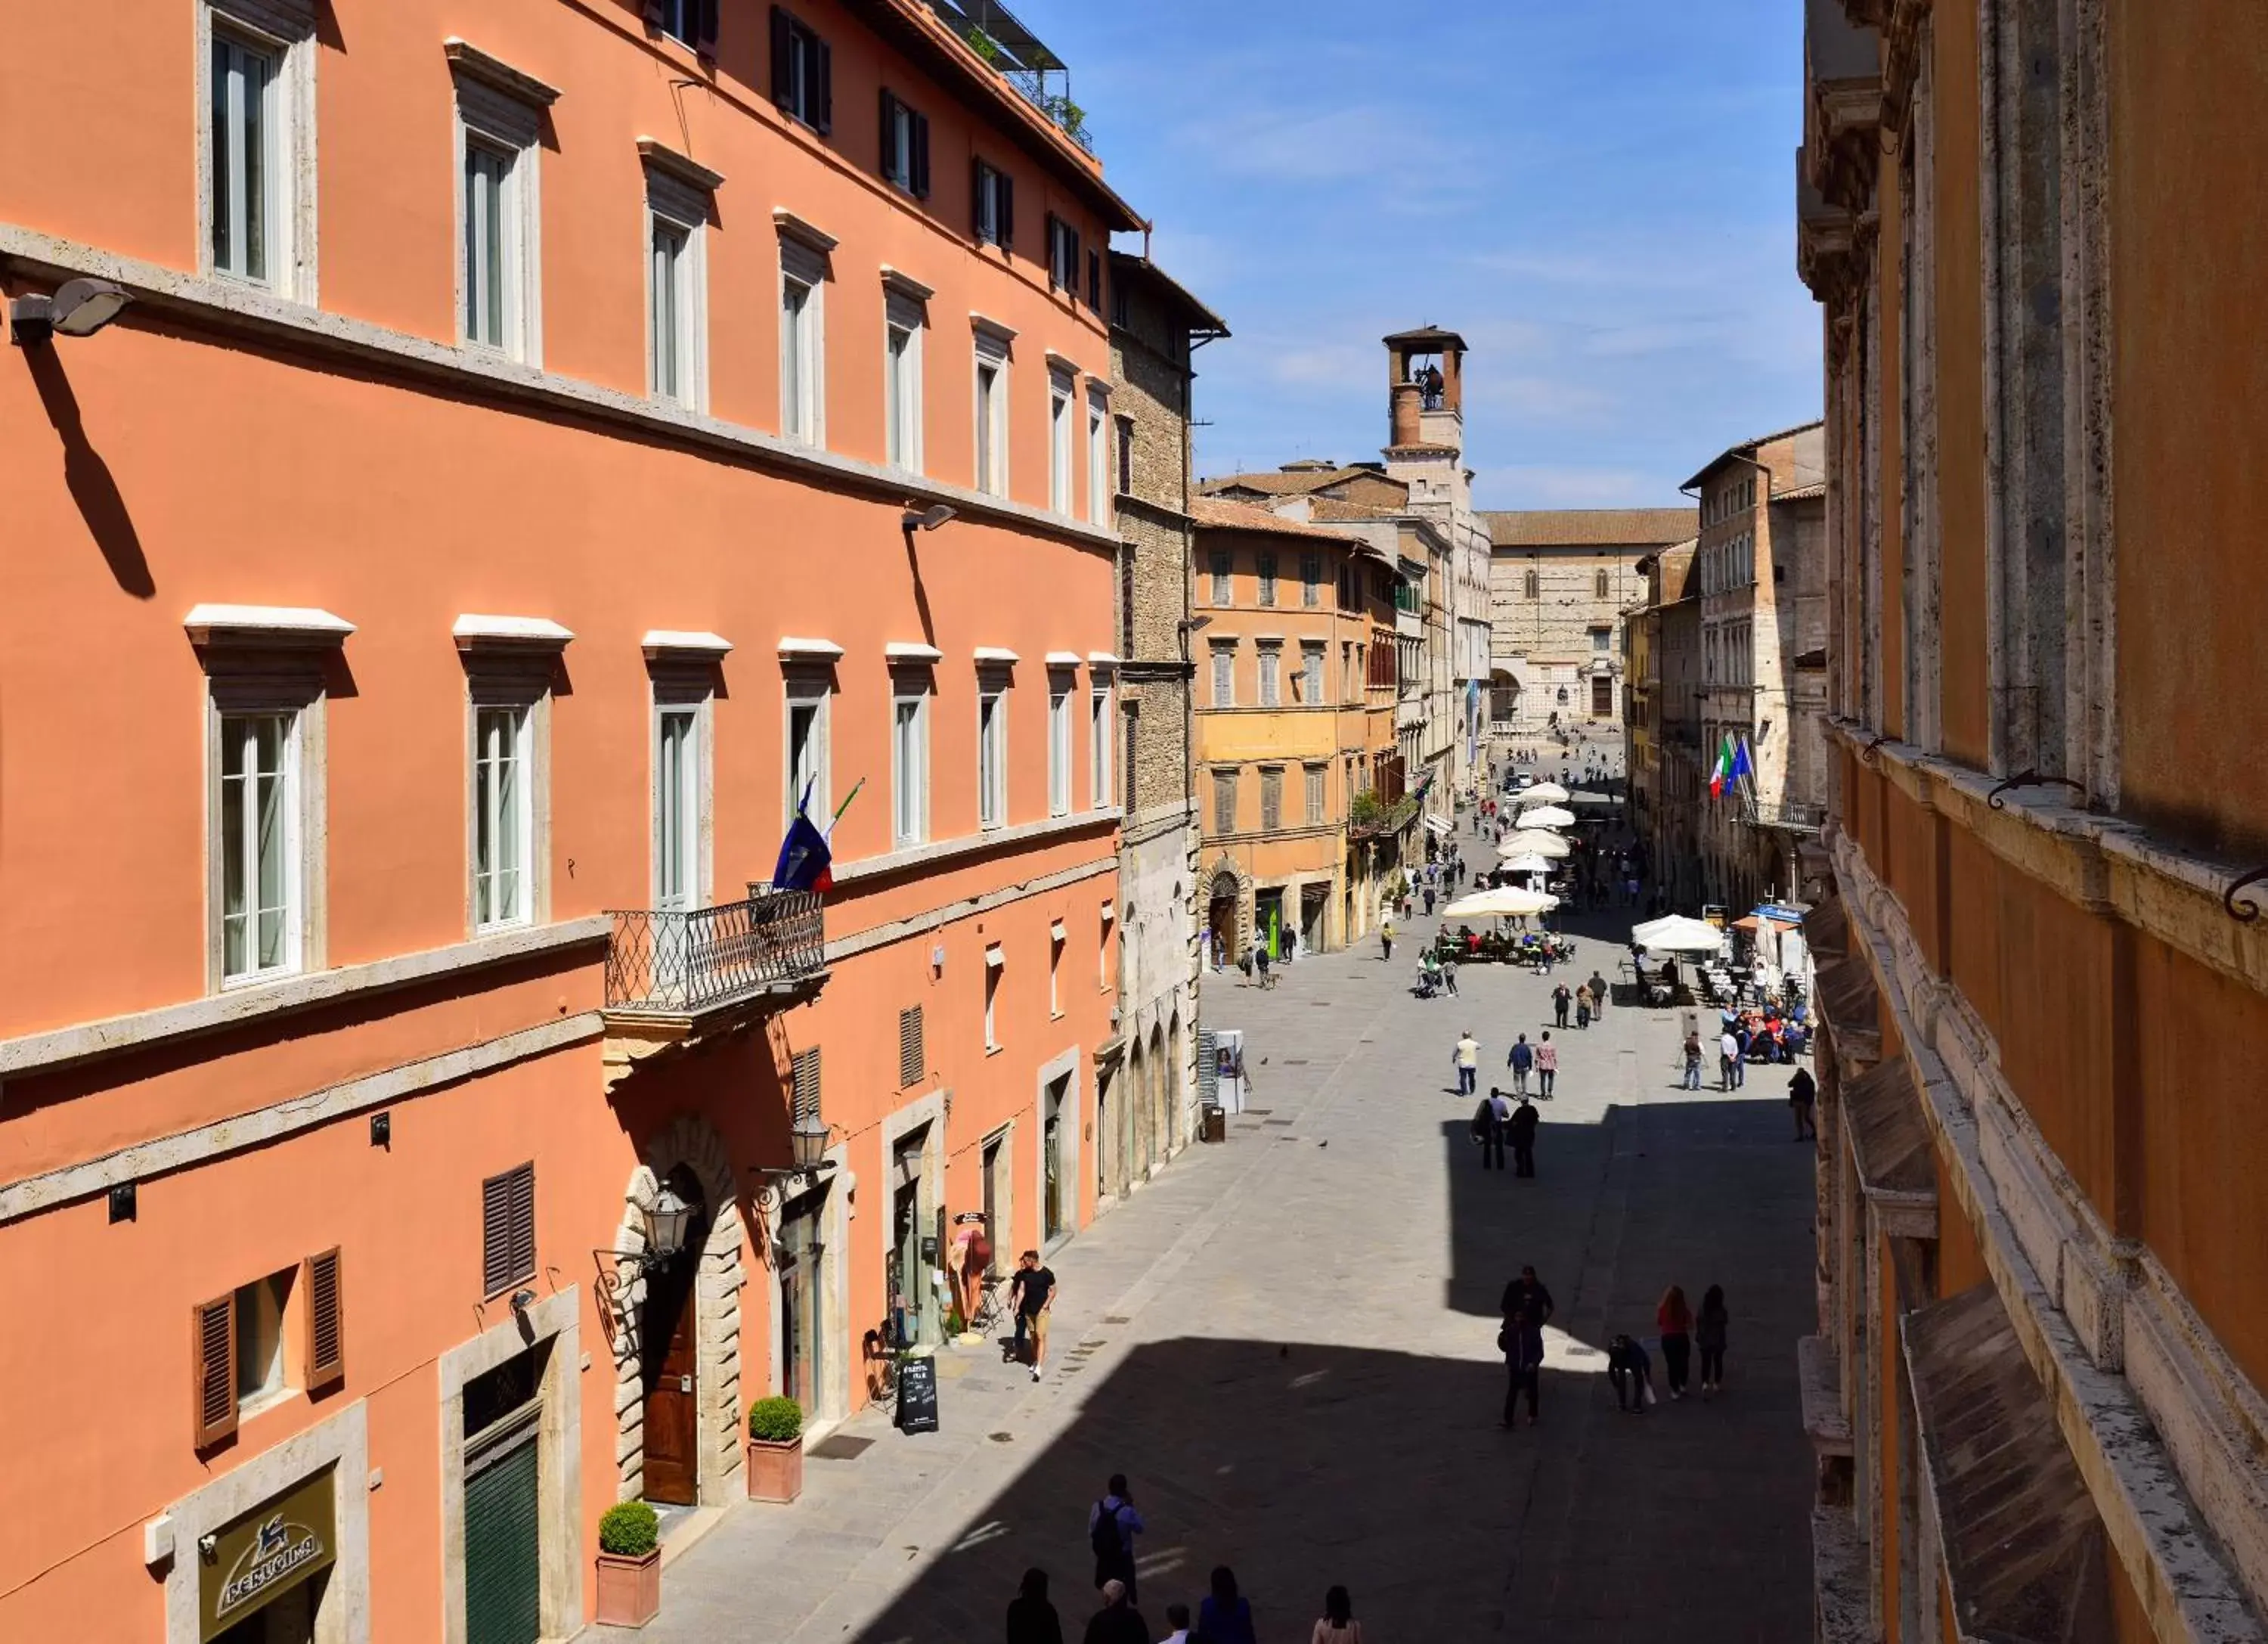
918,1396
270,1551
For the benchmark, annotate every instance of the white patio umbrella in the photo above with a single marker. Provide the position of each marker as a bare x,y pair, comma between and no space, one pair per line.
1545,816
1679,935
1531,863
1535,842
1544,793
1504,903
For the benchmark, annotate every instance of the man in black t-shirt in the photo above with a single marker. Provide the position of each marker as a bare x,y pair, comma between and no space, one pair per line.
1526,1294
1033,1291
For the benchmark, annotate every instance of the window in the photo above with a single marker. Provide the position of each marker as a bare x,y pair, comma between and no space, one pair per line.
1220,565
1063,256
1271,676
503,822
1602,698
1599,638
1103,978
1311,580
910,761
1059,747
1224,675
992,756
913,1062
1271,797
1060,392
994,963
259,1308
1599,585
802,73
1054,969
993,198
803,371
677,806
1266,566
809,774
1311,675
1098,459
507,1229
1224,802
991,416
1099,747
260,916
905,147
490,249
901,382
1125,465
1094,281
253,118
1122,305
676,291
692,21
1531,585
1316,775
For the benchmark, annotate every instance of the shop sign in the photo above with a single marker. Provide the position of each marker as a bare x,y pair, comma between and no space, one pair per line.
265,1554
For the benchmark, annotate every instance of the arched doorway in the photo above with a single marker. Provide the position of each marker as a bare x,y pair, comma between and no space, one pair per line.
1154,1142
1176,1117
670,1367
1221,917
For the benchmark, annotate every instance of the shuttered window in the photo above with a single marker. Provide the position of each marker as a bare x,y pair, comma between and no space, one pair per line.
905,146
993,205
803,73
507,1229
804,1083
327,1342
912,1063
212,1357
1271,799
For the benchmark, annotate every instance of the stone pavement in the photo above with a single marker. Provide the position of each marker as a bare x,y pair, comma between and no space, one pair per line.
1288,1343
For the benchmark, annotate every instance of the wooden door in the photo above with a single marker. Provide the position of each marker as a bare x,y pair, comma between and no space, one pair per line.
672,1379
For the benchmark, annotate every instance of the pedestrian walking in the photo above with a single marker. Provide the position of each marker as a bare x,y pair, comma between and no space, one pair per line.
1467,1060
1489,1120
1803,1093
1674,1320
1112,1523
1729,1056
1583,1006
1224,1617
1561,998
1522,1342
1386,938
1032,1619
1526,1294
1631,1371
1429,898
1693,1060
1032,1293
1259,958
1520,1129
1547,1065
1709,1329
1520,1060
1598,994
1117,1622
1739,1037
1338,1625
1177,1617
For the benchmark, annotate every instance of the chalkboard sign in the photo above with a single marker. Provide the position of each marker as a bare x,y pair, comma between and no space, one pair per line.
918,1396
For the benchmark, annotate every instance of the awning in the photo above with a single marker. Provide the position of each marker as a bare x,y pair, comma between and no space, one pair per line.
1440,825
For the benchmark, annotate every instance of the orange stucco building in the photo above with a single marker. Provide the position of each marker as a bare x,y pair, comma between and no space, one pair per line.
423,608
2036,1389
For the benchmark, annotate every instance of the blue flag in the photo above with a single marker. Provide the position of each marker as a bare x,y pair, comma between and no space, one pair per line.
804,861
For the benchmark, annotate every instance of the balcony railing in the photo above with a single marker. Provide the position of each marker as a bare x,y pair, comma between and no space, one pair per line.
1791,815
686,962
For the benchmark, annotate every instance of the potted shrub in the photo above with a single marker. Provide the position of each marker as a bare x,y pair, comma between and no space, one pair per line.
775,1449
630,1565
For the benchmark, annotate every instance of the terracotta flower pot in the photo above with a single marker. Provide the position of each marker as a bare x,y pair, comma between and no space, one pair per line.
774,1469
630,1589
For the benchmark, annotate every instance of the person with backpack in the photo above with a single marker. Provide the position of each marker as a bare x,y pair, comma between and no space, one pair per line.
1521,1058
1519,1131
1489,1121
1112,1523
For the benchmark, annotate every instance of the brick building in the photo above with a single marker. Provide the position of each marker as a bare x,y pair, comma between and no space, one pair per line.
1155,328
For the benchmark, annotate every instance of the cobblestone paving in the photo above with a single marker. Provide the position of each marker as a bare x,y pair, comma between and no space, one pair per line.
1287,1342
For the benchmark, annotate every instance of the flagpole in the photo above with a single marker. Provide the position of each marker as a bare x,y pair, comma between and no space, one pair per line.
845,805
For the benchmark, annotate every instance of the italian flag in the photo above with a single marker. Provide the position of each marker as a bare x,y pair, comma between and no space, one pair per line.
1723,773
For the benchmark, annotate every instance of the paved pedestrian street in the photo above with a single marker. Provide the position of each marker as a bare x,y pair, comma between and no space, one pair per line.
1287,1342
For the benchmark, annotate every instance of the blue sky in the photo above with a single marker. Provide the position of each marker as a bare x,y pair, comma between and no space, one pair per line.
1598,194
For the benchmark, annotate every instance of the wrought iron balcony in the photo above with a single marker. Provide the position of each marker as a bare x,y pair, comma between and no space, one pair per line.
677,974
1788,817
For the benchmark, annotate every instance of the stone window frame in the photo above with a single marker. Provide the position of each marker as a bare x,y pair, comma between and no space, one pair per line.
503,109
287,28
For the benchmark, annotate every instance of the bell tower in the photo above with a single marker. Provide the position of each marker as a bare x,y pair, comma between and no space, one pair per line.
1426,418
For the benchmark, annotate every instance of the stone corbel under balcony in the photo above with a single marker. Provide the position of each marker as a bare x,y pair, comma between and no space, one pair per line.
675,977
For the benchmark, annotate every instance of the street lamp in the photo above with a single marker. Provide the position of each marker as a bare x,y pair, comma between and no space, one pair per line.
79,307
926,518
665,1227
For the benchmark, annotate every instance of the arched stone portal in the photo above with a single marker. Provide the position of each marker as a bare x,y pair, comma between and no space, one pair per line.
693,1145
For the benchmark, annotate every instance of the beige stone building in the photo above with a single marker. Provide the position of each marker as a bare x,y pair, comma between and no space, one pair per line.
1156,327
1559,583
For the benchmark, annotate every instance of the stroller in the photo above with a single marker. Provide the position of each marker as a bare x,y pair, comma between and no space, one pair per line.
1435,980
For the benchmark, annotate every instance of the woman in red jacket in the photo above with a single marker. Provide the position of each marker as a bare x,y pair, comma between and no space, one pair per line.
1675,1319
